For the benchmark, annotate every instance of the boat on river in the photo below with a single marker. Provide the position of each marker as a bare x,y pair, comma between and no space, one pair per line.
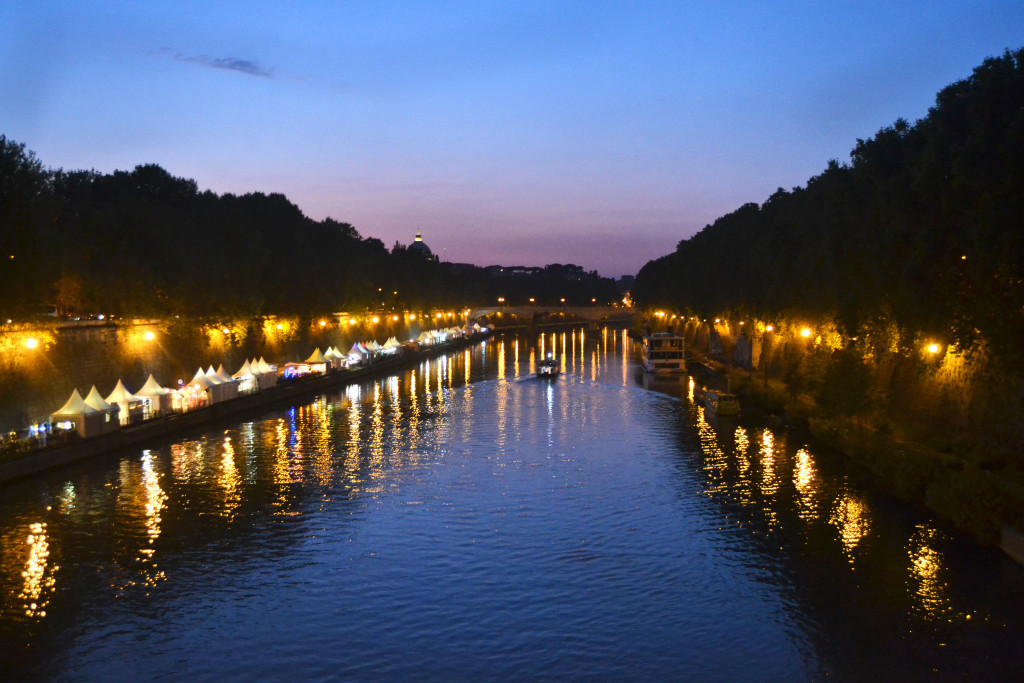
720,402
663,353
550,366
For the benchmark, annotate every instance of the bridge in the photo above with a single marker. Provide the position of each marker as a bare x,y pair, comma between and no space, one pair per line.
589,314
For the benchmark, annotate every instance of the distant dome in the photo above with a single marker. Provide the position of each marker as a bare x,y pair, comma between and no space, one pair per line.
418,245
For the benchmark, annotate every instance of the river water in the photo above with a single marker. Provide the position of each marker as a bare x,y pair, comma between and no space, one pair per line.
464,520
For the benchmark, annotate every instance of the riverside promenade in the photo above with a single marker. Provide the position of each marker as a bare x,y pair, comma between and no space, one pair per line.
203,418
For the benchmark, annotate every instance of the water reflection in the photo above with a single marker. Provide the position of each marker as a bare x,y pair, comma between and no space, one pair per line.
39,576
850,518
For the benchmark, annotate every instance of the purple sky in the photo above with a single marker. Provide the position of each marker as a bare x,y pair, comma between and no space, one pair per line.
507,132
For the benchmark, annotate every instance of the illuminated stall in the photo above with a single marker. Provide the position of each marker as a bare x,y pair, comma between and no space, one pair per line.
159,397
111,422
195,394
76,415
131,408
247,383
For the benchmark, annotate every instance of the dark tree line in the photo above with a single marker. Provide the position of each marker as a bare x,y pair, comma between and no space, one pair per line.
147,243
923,227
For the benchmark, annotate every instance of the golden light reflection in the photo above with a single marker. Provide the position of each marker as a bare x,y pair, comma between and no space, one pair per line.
691,385
850,518
767,454
715,463
228,479
742,446
805,480
155,501
501,361
39,579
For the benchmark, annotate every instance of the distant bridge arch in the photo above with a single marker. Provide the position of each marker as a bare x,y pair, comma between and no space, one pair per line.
592,314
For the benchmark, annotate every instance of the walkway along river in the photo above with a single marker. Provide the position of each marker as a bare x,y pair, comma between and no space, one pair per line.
464,520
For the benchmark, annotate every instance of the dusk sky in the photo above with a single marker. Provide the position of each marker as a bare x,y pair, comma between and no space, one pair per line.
507,132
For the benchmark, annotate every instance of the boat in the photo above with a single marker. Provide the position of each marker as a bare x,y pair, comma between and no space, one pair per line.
549,367
663,353
720,402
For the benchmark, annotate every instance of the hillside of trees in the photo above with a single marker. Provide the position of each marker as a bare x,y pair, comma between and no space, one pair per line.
146,243
923,228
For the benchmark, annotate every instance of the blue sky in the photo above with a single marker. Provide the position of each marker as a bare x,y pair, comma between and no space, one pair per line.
507,132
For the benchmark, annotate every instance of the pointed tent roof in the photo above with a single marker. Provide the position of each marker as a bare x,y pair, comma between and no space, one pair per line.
246,369
329,353
356,348
200,380
391,343
224,376
151,388
120,394
317,357
95,401
264,367
211,375
424,336
76,405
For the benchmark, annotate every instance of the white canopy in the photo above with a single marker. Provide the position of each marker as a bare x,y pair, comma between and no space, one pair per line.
151,388
211,375
121,395
96,402
391,343
317,357
76,405
244,371
200,380
222,373
264,367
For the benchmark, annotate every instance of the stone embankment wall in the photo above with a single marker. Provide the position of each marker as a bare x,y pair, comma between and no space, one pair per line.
41,363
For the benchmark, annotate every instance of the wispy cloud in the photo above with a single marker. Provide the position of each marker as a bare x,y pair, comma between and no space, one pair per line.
245,66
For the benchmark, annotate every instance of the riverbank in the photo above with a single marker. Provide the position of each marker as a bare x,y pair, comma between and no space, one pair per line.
201,419
965,493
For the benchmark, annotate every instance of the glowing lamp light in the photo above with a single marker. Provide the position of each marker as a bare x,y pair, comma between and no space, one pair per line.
769,328
718,320
31,343
532,299
376,319
933,348
323,323
149,336
280,326
806,332
225,330
395,318
563,299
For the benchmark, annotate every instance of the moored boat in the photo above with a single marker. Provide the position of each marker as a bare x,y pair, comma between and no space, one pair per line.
663,353
720,402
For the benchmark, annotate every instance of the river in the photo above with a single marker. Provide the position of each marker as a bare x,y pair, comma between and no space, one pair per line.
464,520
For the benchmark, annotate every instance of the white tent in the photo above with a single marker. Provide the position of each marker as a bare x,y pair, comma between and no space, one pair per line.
317,358
212,375
130,407
267,373
222,373
244,372
159,397
83,418
96,402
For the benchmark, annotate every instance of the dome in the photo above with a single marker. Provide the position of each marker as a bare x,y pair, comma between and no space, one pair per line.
420,246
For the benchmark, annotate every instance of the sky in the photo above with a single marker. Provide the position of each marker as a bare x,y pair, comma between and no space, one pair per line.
512,133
